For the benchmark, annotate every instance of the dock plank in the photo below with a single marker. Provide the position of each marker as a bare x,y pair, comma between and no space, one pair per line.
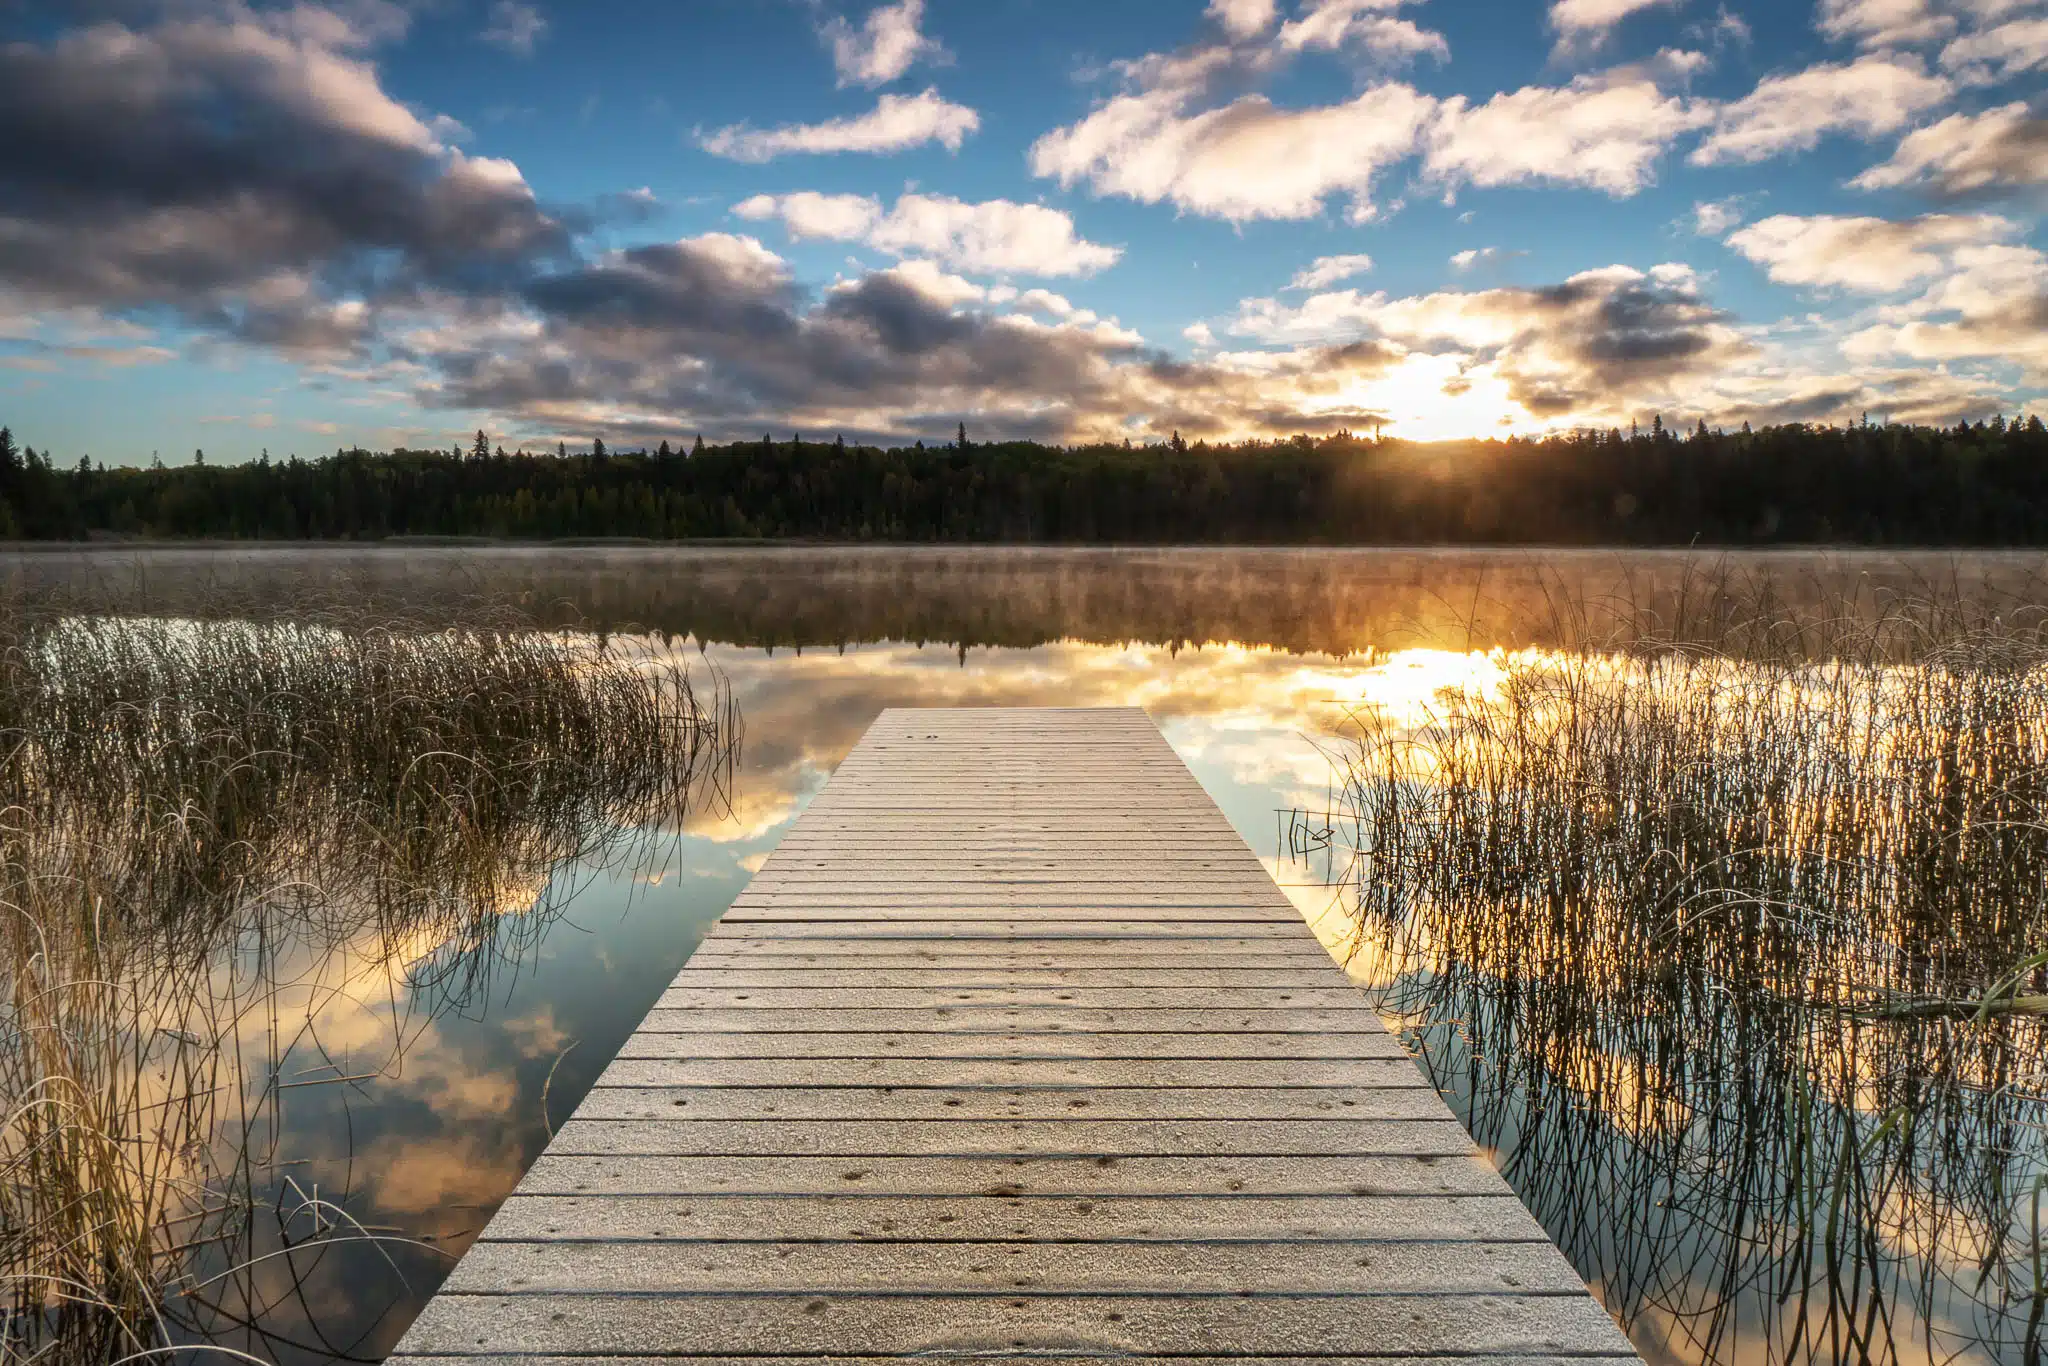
1012,1050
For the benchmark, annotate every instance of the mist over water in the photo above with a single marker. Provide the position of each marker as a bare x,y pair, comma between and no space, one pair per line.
410,1070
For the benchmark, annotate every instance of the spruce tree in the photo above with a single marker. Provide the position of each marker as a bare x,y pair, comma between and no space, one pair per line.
10,459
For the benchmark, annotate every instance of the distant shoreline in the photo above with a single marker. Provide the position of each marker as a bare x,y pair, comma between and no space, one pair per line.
113,546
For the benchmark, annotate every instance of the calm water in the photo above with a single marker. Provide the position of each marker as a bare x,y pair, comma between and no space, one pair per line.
433,1071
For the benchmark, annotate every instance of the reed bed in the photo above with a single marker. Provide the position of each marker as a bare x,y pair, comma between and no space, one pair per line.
1737,958
194,811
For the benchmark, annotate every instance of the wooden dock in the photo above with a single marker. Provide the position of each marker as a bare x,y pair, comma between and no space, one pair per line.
1013,1050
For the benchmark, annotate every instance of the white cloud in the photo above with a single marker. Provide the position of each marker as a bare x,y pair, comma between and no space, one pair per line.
1875,94
1605,133
1713,218
1246,160
1243,18
886,45
1990,304
1472,256
1871,255
1968,152
1883,23
995,236
1590,21
896,122
808,214
1998,54
947,291
515,27
1362,26
1325,271
1602,341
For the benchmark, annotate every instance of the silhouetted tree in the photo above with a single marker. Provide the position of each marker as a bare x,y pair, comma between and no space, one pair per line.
1973,483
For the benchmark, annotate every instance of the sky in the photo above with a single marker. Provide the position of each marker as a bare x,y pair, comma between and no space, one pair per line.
286,227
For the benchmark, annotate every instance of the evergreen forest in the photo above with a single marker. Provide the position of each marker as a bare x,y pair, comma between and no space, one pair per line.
1982,483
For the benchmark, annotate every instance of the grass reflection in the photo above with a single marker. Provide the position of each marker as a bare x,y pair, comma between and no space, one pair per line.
1739,967
216,839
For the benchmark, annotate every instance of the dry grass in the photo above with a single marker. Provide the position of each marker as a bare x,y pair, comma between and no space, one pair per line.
1738,956
188,809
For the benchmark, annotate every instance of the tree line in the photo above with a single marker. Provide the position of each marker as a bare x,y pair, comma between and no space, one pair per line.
1982,483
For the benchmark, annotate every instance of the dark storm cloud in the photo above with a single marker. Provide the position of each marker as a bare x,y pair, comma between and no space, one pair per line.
240,168
1626,329
713,331
228,163
1607,338
714,327
675,291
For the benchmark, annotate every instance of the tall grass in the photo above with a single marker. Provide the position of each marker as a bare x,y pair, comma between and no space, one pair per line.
1729,934
192,811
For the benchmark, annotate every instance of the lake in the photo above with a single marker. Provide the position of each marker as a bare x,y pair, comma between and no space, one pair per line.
399,1004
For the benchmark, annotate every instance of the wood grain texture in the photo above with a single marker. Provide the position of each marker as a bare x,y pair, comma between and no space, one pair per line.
1013,1051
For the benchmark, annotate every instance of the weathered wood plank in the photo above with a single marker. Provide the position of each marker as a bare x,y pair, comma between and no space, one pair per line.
1222,1179
1308,1073
1009,930
1024,1019
996,978
1011,1359
881,1138
732,1038
1013,1049
1338,999
1405,1099
1066,1268
897,1325
1064,1219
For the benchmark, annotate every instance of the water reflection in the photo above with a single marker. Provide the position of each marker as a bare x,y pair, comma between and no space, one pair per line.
254,877
1629,1106
1739,970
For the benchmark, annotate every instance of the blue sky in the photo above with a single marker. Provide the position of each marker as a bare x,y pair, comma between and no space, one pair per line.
247,226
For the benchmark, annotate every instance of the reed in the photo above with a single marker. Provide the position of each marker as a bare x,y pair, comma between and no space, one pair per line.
1729,935
193,811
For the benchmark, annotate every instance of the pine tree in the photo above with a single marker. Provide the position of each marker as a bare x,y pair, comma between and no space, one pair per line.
561,450
198,457
482,449
963,437
597,451
698,449
663,452
10,459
